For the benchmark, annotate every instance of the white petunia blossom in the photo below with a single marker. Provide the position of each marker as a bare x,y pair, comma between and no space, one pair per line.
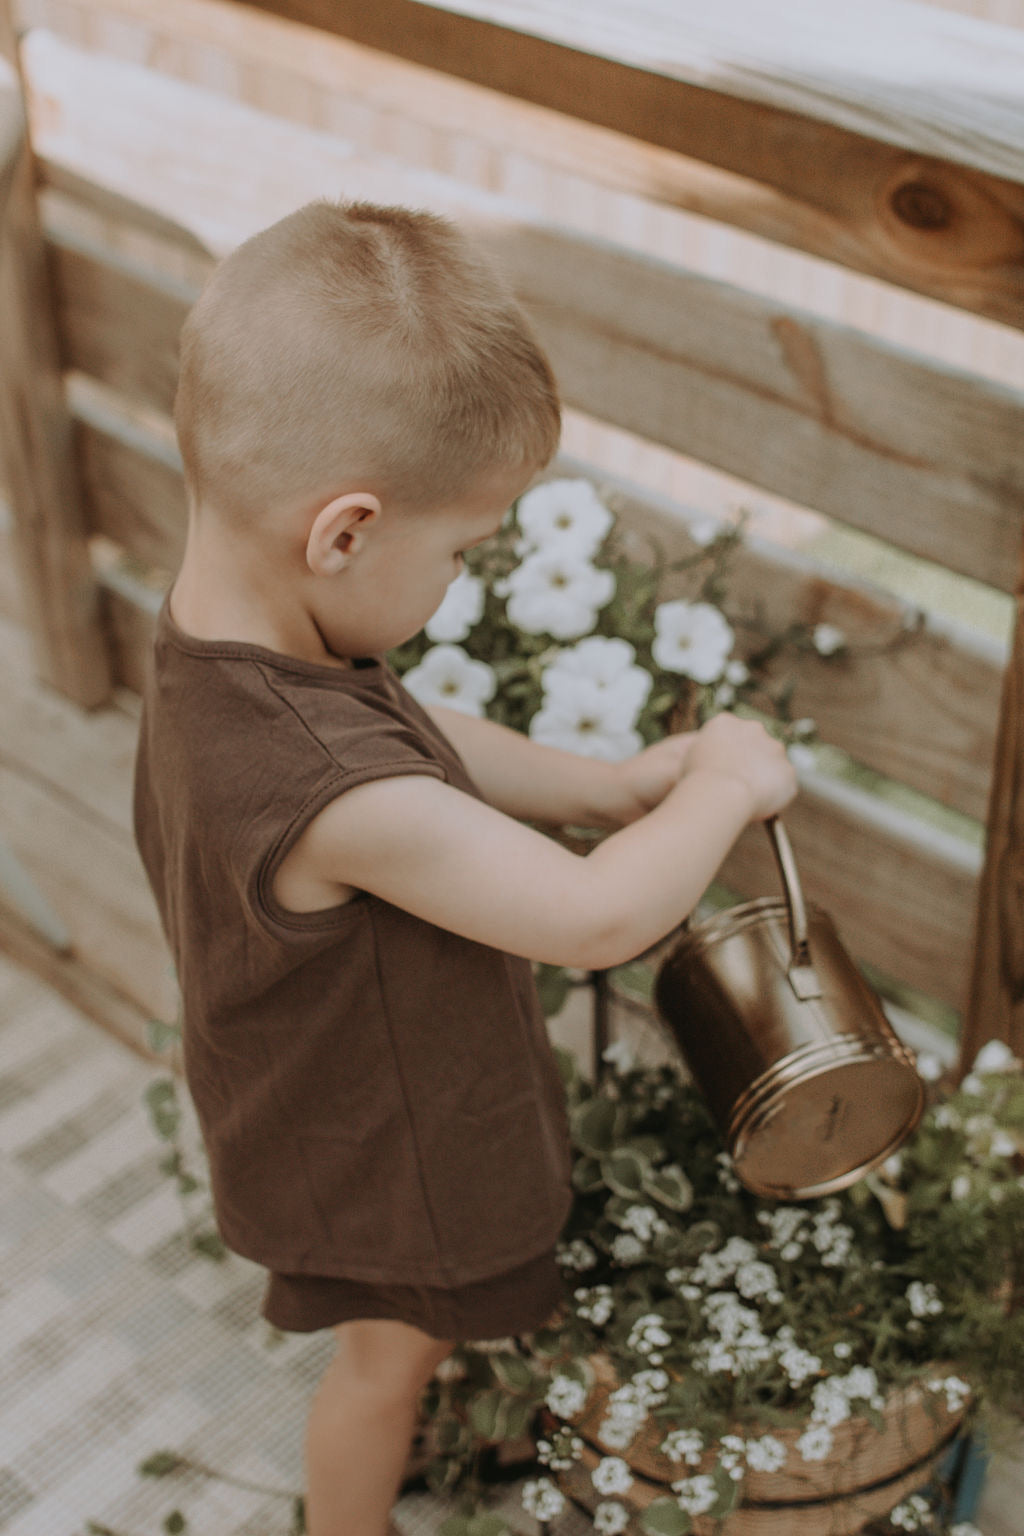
929,1067
994,1057
692,638
556,592
610,1518
588,722
461,608
827,639
606,665
565,1397
798,1364
815,1443
446,675
612,1475
564,514
542,1499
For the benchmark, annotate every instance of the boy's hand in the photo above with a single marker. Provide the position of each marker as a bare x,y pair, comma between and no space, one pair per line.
649,775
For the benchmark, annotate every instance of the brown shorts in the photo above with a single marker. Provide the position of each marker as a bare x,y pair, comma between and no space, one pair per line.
518,1301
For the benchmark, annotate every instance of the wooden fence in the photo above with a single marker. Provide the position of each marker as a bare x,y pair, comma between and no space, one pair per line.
911,174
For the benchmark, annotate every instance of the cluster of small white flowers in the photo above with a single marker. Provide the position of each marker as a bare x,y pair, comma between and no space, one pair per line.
923,1298
612,1475
610,1518
815,1443
914,1514
831,1237
594,1303
726,1177
565,1397
766,1454
732,1454
738,1342
696,1494
542,1499
721,1265
833,1397
577,1255
798,1364
945,1117
644,1222
627,1413
788,1225
650,1388
647,1334
957,1391
627,1249
560,1451
756,1278
684,1445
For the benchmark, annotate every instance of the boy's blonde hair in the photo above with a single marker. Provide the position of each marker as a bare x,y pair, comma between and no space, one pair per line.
351,346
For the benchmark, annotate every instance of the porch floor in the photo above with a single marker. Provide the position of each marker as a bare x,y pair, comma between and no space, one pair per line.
117,1340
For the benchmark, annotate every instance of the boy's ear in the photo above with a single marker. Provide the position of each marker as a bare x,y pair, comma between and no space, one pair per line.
337,532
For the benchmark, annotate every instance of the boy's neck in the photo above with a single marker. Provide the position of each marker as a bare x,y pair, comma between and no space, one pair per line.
205,605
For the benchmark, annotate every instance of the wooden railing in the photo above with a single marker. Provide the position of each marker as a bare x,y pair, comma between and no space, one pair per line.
908,176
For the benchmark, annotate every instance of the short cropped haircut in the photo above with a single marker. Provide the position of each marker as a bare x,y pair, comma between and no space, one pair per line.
352,346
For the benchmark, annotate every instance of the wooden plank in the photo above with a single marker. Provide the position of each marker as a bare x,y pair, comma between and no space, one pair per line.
35,439
995,1008
810,410
903,98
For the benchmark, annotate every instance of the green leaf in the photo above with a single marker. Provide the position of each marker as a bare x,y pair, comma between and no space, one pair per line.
210,1244
586,1175
455,1525
512,1371
483,1413
547,1342
160,1464
487,1525
593,1125
664,1517
161,1035
175,1523
671,1188
553,987
518,1416
298,1517
161,1098
626,1172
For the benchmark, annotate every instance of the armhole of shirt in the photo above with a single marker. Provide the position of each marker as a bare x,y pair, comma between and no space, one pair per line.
278,920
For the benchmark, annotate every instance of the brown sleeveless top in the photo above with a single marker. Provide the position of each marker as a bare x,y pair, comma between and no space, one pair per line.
378,1097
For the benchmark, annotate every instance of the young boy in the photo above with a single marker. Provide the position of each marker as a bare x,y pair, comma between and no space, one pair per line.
343,877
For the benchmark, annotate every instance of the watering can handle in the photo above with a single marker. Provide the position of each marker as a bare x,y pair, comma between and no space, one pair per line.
801,973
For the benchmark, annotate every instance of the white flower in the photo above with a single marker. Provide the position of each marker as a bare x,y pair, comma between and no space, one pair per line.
594,1303
446,675
831,1405
972,1083
617,1433
912,1514
929,1067
725,693
560,1453
994,1057
766,1454
736,672
462,607
815,1443
805,726
612,1475
567,514
827,639
861,1382
607,665
842,1349
695,1494
728,1180
703,529
755,1278
565,1397
647,1333
692,638
893,1166
945,1117
610,1518
961,1186
1002,1145
588,722
556,592
732,1454
717,1267
798,1364
627,1249
542,1499
957,1391
923,1298
643,1221
620,1054
577,1255
650,1387
791,1251
964,1528
683,1445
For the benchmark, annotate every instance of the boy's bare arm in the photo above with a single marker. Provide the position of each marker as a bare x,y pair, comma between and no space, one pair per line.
448,857
533,782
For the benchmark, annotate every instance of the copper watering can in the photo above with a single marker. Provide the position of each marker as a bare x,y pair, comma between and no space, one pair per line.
806,1078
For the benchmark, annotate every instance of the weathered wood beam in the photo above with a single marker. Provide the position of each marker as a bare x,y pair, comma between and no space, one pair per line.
889,139
60,593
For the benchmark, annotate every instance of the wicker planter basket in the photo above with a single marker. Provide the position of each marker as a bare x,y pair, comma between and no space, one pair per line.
866,1474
